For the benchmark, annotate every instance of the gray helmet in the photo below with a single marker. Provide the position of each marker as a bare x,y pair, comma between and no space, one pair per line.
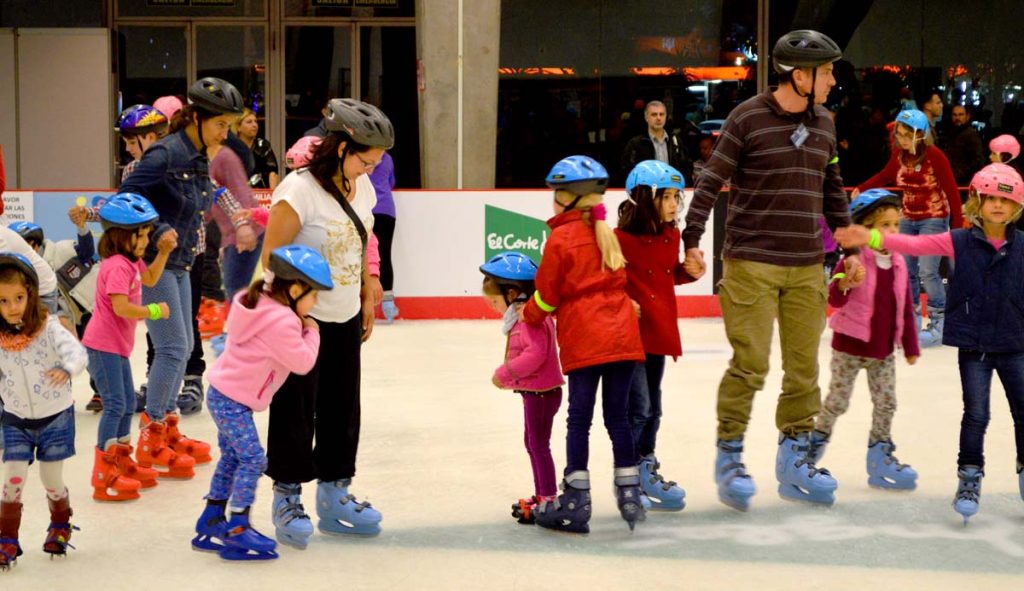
804,49
216,95
363,122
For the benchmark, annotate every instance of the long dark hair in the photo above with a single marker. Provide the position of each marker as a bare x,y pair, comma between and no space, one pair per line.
642,214
35,312
183,117
326,161
278,292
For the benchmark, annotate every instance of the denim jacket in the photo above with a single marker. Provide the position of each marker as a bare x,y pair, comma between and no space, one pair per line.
175,177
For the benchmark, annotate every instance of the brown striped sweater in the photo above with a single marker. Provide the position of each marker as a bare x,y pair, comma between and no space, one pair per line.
777,191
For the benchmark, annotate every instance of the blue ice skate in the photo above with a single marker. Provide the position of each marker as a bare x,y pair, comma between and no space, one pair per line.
799,479
211,527
818,442
885,471
242,542
627,495
663,495
968,493
341,513
735,486
291,524
217,344
571,511
1020,479
388,308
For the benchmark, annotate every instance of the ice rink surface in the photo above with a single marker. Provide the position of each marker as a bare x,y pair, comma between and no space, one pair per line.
442,457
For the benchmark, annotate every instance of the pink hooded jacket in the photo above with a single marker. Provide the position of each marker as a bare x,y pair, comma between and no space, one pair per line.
531,358
265,344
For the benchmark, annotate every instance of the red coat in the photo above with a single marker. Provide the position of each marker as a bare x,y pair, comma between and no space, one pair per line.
653,270
595,319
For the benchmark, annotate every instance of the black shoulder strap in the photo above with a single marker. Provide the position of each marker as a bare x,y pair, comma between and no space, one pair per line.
364,237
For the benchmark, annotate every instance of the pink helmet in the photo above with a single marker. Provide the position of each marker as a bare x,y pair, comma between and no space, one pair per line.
300,153
1000,180
168,105
1005,143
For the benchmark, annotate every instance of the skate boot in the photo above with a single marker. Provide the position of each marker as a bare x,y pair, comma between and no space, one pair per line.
152,452
198,450
292,525
341,513
58,535
108,484
242,542
217,343
95,403
140,399
885,471
627,495
211,527
818,442
388,307
968,493
525,510
10,522
663,495
210,318
932,336
1020,479
570,511
735,486
798,478
129,469
190,400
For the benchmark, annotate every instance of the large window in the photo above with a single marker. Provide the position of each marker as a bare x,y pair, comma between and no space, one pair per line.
579,81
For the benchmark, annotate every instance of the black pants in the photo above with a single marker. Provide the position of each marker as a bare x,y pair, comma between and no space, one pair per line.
196,365
323,404
384,230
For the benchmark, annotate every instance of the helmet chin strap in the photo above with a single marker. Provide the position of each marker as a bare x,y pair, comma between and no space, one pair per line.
809,95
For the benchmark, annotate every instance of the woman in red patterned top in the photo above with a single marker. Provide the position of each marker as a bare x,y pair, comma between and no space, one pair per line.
931,201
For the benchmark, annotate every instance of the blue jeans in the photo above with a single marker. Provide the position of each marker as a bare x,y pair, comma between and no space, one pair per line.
113,375
976,378
925,269
242,459
239,267
645,404
172,340
615,379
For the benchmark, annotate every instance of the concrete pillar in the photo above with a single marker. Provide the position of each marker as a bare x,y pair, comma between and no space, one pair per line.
437,46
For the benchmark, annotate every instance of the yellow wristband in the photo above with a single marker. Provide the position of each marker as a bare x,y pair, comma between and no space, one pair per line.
154,312
875,242
837,277
541,304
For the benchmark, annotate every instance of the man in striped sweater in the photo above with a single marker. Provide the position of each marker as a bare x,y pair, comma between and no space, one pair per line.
779,150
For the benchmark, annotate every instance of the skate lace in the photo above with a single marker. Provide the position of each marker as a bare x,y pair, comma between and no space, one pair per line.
291,510
812,470
59,533
888,448
969,489
360,505
657,478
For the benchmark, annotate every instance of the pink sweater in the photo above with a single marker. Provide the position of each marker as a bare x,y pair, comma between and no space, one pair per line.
264,345
927,244
531,358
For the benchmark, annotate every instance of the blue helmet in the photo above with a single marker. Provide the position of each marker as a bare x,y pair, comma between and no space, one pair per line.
913,119
302,263
128,211
510,266
579,175
19,262
28,231
656,175
139,119
871,200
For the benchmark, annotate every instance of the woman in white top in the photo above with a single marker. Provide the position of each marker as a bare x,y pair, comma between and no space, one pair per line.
328,206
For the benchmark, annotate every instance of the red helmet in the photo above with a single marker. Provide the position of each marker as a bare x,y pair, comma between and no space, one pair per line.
1000,180
1005,143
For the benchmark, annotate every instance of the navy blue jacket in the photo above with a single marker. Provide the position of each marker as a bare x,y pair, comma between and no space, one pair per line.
175,177
985,306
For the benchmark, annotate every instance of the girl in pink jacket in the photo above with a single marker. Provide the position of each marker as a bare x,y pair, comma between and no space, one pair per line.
875,315
531,368
269,337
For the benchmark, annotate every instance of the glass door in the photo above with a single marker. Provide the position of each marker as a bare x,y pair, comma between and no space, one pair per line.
236,53
318,66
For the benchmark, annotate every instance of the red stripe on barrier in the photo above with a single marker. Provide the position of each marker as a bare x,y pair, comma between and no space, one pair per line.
473,308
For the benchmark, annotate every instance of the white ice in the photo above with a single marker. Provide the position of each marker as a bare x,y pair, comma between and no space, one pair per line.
442,457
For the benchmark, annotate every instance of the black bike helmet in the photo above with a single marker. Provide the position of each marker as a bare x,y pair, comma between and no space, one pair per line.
363,122
216,96
804,49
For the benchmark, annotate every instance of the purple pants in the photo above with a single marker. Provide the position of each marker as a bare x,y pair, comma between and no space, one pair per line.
539,409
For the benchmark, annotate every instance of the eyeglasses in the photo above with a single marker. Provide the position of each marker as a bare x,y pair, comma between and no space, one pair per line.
367,165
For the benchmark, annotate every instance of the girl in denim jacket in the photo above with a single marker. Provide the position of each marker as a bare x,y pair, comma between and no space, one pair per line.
531,368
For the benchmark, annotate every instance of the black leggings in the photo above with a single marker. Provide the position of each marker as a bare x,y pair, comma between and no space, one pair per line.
323,403
384,230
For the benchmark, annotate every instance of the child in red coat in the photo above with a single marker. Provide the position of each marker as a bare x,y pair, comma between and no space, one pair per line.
582,281
649,238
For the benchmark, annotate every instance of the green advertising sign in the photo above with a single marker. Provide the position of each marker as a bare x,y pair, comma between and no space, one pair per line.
507,230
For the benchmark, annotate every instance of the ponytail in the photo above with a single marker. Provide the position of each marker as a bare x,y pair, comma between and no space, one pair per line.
611,252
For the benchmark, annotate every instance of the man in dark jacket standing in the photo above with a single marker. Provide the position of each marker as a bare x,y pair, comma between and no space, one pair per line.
657,144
